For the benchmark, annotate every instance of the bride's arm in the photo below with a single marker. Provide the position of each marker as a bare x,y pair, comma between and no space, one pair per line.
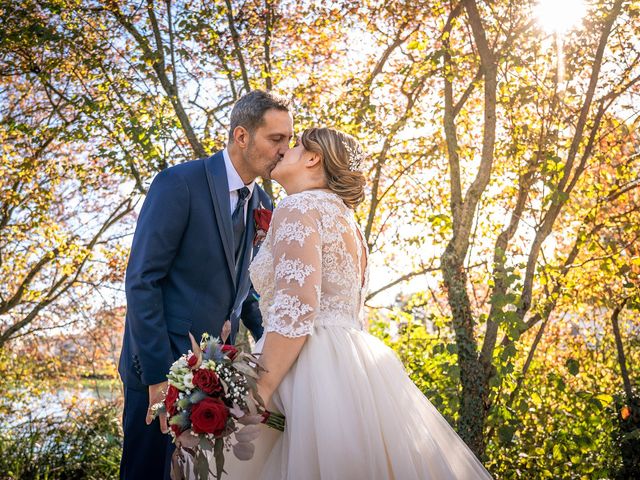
278,356
297,253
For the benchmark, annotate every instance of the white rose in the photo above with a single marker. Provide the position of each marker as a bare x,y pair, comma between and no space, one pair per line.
188,380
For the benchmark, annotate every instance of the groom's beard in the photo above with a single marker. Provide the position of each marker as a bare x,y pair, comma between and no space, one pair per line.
275,164
272,167
257,159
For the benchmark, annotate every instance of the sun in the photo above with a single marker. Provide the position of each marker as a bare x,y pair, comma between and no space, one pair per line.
559,16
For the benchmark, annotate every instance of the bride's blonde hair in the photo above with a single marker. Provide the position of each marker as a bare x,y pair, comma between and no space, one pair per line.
342,156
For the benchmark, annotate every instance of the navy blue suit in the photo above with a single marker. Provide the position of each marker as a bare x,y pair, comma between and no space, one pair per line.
181,277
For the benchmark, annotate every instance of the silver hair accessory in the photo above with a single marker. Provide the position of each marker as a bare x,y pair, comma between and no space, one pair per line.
356,156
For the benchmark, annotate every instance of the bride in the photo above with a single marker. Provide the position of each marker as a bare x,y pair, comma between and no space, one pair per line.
351,410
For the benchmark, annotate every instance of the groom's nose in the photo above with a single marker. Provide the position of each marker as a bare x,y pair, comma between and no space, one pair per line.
282,150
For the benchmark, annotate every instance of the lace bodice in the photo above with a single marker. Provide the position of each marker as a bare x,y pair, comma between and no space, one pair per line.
309,270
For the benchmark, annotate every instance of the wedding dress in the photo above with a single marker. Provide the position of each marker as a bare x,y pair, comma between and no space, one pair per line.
351,410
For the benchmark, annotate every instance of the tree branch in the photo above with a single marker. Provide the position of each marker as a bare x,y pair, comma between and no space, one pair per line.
562,195
266,44
158,67
593,82
60,287
236,44
622,361
172,46
401,279
462,224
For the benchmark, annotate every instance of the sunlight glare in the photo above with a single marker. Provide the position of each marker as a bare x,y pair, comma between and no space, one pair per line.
559,16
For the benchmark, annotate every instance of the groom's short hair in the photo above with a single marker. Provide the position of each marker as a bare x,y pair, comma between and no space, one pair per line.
249,110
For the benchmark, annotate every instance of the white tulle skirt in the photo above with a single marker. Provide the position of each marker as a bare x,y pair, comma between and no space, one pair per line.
353,413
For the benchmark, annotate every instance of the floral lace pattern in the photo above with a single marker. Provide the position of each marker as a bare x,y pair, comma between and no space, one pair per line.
293,231
309,269
293,270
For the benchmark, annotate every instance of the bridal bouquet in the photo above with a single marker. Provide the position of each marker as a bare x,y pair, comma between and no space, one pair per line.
212,395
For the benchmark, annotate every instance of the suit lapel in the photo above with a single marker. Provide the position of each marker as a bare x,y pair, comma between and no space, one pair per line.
219,189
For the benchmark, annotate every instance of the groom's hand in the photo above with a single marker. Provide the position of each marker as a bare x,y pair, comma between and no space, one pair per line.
157,393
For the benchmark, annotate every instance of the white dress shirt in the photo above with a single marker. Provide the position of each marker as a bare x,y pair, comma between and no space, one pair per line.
235,184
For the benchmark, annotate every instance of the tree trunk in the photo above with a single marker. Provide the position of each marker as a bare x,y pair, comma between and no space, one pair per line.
622,361
472,397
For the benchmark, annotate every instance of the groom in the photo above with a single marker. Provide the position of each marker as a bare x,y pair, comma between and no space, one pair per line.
188,267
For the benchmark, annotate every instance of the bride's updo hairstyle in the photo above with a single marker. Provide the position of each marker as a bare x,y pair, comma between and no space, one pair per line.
342,158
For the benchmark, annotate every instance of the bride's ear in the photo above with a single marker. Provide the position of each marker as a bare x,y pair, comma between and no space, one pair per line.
313,160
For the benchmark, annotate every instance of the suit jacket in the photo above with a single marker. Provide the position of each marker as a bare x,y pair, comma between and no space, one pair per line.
181,276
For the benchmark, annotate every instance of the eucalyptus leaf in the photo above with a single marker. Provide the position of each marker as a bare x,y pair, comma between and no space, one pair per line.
250,419
201,466
248,433
244,450
187,440
246,369
218,453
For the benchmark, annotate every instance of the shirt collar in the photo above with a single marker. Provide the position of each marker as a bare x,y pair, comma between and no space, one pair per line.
234,179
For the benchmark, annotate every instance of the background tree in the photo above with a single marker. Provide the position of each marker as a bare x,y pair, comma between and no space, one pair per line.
542,130
503,187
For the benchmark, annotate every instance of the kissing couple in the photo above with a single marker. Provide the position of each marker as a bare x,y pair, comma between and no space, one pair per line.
199,252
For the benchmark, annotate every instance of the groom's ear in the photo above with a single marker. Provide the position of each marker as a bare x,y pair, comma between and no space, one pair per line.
241,136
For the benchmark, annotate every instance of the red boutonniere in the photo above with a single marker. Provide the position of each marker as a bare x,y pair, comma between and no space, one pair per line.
262,217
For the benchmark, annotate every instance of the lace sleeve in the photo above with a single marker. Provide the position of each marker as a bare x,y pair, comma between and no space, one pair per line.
297,254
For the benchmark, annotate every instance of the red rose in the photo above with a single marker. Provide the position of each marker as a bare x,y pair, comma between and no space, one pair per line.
177,431
262,216
230,350
192,360
207,381
209,416
171,399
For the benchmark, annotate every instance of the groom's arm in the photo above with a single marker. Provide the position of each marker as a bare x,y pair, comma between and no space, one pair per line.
161,223
250,314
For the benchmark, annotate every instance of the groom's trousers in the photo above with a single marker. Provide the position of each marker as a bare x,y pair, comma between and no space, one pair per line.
146,453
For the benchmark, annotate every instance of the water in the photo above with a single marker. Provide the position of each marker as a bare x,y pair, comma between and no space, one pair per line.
55,405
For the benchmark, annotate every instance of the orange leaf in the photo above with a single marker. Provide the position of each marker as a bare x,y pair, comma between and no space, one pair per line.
625,413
